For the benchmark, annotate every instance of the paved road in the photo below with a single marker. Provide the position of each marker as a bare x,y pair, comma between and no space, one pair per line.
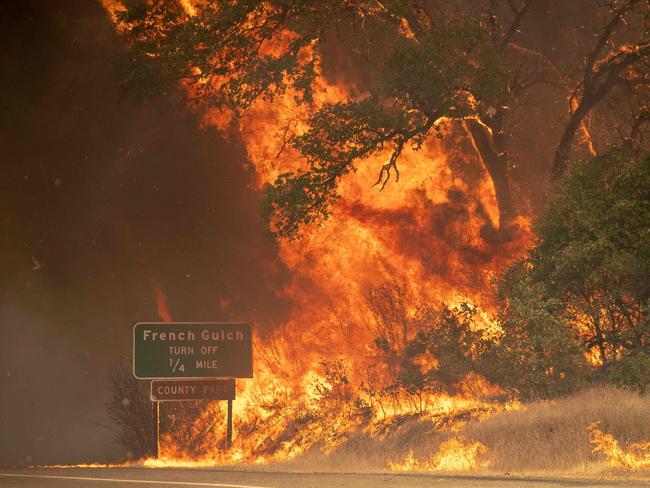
181,478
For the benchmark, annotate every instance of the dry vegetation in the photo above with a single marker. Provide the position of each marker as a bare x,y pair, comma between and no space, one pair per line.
552,435
542,437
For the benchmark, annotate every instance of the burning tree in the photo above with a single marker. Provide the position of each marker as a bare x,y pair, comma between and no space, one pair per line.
440,88
620,57
419,68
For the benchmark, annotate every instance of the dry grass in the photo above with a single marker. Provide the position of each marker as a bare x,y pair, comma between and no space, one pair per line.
547,437
552,436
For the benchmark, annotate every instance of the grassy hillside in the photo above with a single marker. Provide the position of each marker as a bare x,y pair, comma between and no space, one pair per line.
540,437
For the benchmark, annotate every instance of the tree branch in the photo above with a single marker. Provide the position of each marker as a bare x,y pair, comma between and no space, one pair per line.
607,33
391,164
516,23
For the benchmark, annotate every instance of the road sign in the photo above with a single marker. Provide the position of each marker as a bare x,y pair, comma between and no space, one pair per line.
170,350
176,390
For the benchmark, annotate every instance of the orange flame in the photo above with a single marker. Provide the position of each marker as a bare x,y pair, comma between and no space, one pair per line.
635,457
433,234
188,6
456,454
161,301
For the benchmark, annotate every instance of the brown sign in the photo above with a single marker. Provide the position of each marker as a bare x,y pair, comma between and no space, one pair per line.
176,390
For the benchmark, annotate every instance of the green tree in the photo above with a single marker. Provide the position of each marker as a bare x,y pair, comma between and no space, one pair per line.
538,353
591,264
445,345
451,337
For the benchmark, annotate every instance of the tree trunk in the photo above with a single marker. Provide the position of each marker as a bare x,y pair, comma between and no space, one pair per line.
600,341
563,151
496,163
595,89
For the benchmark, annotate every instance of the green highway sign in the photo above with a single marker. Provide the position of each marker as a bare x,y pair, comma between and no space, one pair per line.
192,350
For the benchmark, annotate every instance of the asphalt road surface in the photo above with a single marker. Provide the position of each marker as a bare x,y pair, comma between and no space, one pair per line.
180,478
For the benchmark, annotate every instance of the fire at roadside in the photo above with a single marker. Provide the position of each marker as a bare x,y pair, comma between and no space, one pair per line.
393,318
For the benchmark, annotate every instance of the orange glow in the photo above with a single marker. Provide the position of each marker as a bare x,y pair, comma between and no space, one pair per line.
188,6
161,301
456,454
423,236
635,457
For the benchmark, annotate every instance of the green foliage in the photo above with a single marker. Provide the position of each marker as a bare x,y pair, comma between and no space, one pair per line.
589,269
219,51
595,233
339,134
538,354
632,370
449,71
449,336
297,199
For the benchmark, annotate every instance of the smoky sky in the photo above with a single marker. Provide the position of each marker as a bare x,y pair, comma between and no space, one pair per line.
102,195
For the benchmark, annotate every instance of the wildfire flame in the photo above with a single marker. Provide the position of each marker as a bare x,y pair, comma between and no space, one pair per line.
161,301
635,457
188,6
456,454
427,234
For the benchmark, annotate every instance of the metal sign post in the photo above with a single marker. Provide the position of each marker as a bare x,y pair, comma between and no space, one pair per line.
192,361
156,429
229,426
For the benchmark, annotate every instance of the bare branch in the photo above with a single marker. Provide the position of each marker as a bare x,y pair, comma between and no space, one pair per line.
285,140
384,173
641,119
619,15
516,23
600,77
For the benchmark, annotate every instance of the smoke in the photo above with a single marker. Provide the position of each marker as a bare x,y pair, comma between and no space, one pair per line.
52,394
101,194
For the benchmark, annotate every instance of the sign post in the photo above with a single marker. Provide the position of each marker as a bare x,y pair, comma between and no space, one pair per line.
192,361
156,429
229,426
